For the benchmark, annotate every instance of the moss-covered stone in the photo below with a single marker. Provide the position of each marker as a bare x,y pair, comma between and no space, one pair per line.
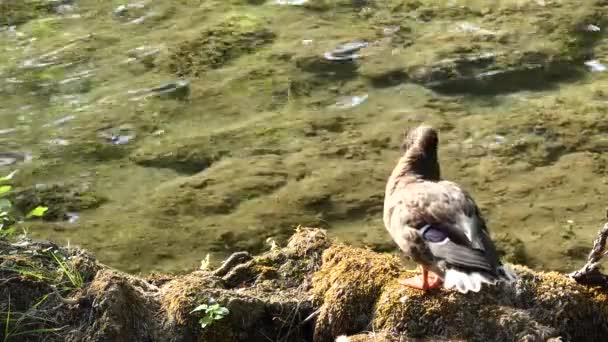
218,45
485,55
15,12
60,199
524,310
343,283
222,187
195,153
511,249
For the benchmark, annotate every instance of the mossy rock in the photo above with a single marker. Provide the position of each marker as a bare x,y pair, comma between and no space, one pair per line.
325,5
511,249
222,187
359,292
59,198
193,154
212,48
187,155
16,12
480,51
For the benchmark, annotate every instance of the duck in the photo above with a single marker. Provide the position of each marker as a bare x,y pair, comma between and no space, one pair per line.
436,223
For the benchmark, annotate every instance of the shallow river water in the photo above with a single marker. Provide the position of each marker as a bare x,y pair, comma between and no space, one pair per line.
160,131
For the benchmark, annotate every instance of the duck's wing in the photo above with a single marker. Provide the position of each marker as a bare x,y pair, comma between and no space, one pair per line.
451,226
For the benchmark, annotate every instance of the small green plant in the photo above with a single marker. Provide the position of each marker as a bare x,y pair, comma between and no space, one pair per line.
212,313
75,278
7,215
18,324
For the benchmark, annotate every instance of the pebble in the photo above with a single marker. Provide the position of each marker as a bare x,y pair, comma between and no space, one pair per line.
389,31
65,9
10,158
58,142
595,66
467,27
123,10
72,217
346,51
118,135
60,121
350,101
7,130
178,89
291,2
592,28
120,139
144,52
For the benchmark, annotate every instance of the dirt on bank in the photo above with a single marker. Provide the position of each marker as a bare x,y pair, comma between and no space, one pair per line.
309,290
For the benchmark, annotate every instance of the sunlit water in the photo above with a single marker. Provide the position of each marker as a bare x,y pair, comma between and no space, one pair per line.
210,126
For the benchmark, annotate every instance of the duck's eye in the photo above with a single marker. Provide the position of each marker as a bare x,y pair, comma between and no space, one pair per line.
433,234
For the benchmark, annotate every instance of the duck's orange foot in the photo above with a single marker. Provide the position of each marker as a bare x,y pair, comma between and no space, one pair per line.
419,282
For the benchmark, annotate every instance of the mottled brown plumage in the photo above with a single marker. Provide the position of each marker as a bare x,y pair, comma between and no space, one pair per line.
436,222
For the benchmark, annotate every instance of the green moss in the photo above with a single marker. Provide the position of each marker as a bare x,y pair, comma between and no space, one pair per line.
358,289
235,36
187,155
15,12
511,249
222,187
59,198
355,291
347,291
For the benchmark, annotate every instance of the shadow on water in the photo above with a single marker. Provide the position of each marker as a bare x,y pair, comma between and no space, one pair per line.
509,81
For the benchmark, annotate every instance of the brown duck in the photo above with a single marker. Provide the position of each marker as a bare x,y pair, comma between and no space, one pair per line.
437,223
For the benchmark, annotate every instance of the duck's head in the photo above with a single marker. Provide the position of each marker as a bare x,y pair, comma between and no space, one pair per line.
420,153
423,138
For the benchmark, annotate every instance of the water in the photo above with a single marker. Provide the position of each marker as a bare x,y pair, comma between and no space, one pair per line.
247,143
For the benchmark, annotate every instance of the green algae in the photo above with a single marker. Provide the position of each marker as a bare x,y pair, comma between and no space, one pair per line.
60,199
15,12
236,35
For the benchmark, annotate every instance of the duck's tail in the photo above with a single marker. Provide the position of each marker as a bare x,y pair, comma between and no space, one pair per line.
465,281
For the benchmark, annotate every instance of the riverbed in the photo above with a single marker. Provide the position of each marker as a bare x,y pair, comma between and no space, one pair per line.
162,131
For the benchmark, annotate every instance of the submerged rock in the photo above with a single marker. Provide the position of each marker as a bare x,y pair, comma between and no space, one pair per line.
290,2
118,136
346,52
222,187
350,102
485,73
217,45
130,10
10,158
179,89
596,66
60,121
145,54
16,12
189,156
63,200
7,131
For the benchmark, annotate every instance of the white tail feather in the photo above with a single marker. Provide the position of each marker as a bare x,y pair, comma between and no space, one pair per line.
342,338
465,282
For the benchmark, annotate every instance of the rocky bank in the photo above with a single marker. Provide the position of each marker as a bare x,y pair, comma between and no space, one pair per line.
309,290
